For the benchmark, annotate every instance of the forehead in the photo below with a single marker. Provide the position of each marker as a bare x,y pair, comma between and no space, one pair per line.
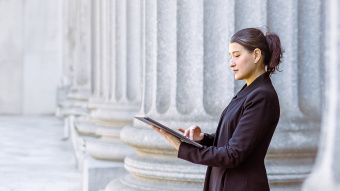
234,46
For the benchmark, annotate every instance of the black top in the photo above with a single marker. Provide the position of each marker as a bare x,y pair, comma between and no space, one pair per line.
235,152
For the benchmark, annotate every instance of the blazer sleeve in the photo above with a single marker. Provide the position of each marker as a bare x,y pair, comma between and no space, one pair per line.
258,116
208,139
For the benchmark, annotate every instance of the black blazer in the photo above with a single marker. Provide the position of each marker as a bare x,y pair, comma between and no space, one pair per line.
235,153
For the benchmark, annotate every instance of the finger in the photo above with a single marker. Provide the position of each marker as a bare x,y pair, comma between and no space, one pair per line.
155,128
202,135
168,136
191,134
192,127
161,131
181,130
164,133
186,133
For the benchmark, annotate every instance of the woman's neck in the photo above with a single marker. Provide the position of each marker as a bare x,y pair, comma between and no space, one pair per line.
254,76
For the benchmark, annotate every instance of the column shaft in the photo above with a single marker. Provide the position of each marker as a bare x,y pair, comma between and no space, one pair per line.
120,49
293,148
326,172
218,80
114,102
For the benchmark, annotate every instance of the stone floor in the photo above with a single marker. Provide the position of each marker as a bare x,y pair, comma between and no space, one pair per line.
33,156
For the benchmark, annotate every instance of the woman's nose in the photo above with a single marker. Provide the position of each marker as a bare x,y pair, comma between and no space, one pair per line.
231,63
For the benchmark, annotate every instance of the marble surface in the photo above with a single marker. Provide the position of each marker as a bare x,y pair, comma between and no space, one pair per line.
34,157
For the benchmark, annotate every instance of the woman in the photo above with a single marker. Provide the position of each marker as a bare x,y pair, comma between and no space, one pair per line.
235,153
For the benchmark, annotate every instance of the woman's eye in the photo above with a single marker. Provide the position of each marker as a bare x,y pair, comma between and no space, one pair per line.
237,56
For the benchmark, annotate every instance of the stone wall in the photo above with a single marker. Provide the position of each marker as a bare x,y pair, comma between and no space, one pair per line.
31,56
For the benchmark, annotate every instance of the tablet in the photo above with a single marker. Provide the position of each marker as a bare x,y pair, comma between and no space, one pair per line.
150,121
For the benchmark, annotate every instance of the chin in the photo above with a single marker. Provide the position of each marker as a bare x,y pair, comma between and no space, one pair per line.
238,78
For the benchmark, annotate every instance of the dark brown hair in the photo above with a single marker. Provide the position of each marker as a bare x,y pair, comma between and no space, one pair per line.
269,44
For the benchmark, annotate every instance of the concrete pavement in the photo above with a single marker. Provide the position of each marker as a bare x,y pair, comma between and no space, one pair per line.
33,156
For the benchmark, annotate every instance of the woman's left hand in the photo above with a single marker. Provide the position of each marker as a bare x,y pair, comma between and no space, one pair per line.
175,142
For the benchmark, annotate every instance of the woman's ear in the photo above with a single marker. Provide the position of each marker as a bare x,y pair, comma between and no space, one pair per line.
257,54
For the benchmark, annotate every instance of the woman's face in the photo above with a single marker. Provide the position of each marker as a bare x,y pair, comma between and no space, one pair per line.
242,61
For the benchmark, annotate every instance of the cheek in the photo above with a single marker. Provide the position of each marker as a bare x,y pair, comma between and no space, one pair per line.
244,61
241,62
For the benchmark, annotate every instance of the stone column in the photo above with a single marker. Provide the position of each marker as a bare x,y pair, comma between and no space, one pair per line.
176,71
117,89
81,88
174,40
77,58
326,172
256,16
299,86
116,99
67,73
78,62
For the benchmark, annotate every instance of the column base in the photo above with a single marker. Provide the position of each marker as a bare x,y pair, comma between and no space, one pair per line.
287,172
98,173
86,127
134,183
106,144
321,179
285,186
74,107
78,144
108,149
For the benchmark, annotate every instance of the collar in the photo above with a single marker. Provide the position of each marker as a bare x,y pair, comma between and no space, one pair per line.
256,83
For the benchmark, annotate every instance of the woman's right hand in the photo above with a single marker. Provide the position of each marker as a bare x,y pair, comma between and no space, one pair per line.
194,133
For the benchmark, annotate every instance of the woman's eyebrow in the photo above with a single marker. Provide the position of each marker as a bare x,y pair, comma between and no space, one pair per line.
234,51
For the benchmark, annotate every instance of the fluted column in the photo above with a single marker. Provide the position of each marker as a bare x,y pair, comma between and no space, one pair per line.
80,42
77,57
117,97
218,79
299,86
78,61
249,13
326,172
179,93
175,73
116,89
75,84
67,74
82,67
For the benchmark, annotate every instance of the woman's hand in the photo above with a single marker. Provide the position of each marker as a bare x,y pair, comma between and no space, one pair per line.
194,133
175,142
